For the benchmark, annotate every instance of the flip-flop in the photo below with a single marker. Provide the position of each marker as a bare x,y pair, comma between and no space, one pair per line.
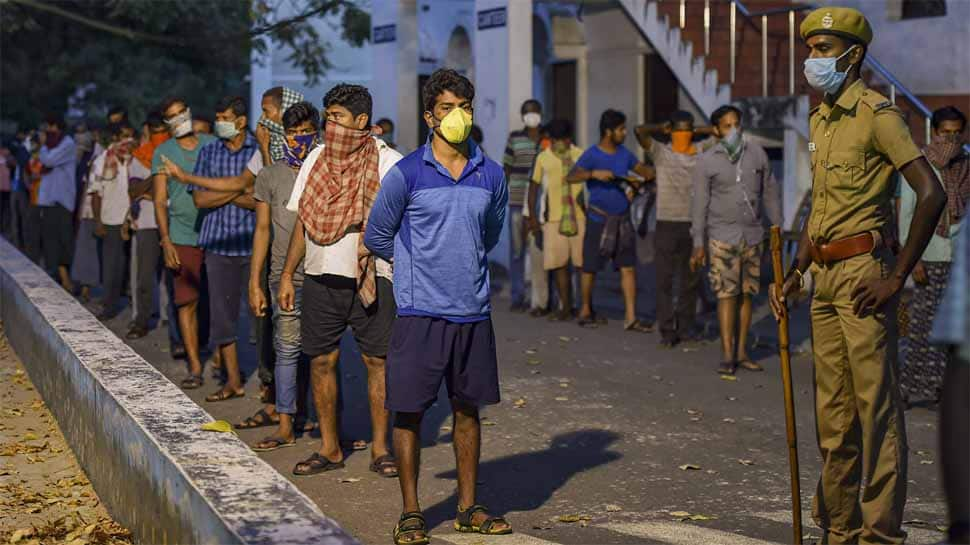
592,321
223,395
750,365
316,464
638,327
727,368
385,466
192,382
261,419
273,443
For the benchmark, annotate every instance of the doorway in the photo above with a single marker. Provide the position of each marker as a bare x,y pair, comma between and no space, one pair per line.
660,91
563,99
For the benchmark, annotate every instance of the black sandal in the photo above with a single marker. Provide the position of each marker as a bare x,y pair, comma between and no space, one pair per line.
316,464
385,466
261,419
727,368
192,382
411,530
463,522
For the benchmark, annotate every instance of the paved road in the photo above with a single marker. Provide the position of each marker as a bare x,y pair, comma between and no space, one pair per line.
609,418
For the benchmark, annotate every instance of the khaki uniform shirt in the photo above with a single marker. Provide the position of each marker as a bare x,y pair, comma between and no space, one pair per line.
855,145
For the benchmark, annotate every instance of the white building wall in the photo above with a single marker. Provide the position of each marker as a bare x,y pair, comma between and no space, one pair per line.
396,64
905,46
615,62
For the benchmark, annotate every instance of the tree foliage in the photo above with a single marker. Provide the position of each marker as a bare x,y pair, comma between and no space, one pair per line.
92,54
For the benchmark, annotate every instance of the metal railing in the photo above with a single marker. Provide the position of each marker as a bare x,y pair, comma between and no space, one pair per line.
896,88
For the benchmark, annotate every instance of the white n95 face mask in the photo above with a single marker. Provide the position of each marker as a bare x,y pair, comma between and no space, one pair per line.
532,120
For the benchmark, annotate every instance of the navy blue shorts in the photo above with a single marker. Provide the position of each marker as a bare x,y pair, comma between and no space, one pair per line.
593,260
424,351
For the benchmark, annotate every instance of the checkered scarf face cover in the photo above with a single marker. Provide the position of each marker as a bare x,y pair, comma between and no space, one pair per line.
340,191
277,136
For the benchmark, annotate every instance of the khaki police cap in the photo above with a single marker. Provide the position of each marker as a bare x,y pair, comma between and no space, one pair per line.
846,23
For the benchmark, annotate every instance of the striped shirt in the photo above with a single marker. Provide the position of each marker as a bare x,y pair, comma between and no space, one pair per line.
227,230
520,156
674,179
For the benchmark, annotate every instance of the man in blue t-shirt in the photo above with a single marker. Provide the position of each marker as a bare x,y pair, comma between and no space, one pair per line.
604,168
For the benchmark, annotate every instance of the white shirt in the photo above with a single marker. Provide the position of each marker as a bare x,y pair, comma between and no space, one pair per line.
339,258
114,191
255,163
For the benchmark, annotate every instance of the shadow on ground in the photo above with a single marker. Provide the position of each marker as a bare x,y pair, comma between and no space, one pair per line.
526,481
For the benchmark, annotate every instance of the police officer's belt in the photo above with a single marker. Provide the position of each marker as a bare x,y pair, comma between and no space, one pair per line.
832,252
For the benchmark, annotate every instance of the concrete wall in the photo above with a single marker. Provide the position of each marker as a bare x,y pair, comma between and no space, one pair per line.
137,436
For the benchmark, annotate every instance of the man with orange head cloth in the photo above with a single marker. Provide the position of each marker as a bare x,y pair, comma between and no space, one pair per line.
675,165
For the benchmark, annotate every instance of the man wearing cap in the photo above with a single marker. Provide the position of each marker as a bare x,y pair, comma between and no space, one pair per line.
857,140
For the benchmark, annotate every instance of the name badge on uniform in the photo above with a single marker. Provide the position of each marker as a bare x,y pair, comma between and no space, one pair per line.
811,146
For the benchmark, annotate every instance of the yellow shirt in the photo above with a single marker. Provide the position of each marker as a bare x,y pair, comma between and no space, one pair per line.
548,172
855,145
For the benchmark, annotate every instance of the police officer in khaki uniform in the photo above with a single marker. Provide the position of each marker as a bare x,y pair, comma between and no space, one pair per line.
857,140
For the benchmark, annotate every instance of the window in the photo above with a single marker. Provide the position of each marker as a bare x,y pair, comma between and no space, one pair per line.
913,9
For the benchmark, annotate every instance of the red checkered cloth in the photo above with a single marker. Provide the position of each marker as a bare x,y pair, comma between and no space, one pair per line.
339,194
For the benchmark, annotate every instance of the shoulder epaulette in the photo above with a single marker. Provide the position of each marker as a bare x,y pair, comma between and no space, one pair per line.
875,100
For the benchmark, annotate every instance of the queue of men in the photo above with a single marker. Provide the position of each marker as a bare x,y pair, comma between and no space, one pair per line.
322,225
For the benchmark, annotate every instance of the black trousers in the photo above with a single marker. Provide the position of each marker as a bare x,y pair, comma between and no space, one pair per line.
674,243
149,255
112,267
56,232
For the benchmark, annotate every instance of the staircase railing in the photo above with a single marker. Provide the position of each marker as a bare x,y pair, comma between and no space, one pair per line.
896,88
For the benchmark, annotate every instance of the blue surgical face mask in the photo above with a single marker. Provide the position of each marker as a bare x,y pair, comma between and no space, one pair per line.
823,75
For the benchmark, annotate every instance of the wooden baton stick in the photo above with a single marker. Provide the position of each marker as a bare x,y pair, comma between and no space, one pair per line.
796,495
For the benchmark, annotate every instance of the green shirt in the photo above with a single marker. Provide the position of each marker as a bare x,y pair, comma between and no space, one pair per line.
183,217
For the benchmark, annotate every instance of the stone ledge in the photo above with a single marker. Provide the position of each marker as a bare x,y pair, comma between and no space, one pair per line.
137,435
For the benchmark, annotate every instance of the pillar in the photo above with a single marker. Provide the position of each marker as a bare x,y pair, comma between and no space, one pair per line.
394,39
503,78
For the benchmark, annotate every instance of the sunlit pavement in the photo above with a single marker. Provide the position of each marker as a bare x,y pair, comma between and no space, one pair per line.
596,440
